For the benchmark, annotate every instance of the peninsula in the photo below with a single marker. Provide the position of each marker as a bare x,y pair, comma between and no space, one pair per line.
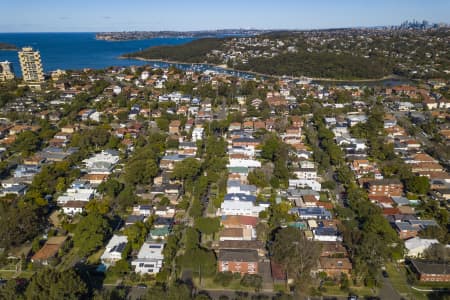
145,35
6,46
344,54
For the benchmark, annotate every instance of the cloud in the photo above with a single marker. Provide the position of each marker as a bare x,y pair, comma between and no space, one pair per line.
107,17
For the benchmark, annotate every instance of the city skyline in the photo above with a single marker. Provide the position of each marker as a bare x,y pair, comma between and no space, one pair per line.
85,16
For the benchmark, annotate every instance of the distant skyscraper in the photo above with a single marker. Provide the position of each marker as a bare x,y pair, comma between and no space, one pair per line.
31,65
6,71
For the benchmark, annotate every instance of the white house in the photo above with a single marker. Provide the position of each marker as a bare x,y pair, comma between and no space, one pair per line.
78,191
306,173
149,259
143,210
117,90
145,75
248,163
114,250
242,205
197,134
236,187
326,234
102,163
305,183
416,246
247,151
74,207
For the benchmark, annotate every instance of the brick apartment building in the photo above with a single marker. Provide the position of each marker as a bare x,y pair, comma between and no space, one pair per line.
385,187
430,271
238,261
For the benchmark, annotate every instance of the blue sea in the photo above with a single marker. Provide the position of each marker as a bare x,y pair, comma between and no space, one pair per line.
74,51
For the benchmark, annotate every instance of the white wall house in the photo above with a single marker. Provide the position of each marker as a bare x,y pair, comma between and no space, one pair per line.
102,163
114,250
149,259
248,163
197,134
305,183
242,205
415,247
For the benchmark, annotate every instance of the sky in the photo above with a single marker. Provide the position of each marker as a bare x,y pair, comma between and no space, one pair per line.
182,15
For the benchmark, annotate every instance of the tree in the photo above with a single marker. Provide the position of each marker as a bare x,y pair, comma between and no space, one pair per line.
270,147
191,238
196,209
140,171
136,234
258,178
418,185
18,225
111,187
199,260
252,280
98,206
50,284
126,197
90,233
26,142
187,169
12,290
177,291
296,254
207,225
437,252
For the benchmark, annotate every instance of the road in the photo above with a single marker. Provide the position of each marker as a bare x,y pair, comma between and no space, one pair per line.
215,294
387,291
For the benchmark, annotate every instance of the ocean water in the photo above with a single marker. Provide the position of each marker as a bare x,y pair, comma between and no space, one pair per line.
74,51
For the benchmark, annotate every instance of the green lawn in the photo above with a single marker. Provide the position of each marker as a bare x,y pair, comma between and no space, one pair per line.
111,278
95,257
335,290
398,280
8,274
208,283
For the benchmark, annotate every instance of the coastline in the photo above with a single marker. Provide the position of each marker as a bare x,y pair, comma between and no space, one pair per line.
364,80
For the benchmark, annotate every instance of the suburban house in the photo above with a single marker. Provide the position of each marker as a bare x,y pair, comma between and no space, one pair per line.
242,245
114,250
416,246
326,234
431,271
102,163
49,250
385,187
149,259
334,267
238,261
306,213
410,228
241,204
238,228
72,207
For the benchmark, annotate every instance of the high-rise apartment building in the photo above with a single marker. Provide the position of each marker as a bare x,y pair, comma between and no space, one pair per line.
6,71
31,65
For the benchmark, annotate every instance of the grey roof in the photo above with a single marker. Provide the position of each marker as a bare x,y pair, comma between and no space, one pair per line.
330,231
231,244
240,197
425,267
317,212
245,140
302,192
134,219
400,200
242,255
175,157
